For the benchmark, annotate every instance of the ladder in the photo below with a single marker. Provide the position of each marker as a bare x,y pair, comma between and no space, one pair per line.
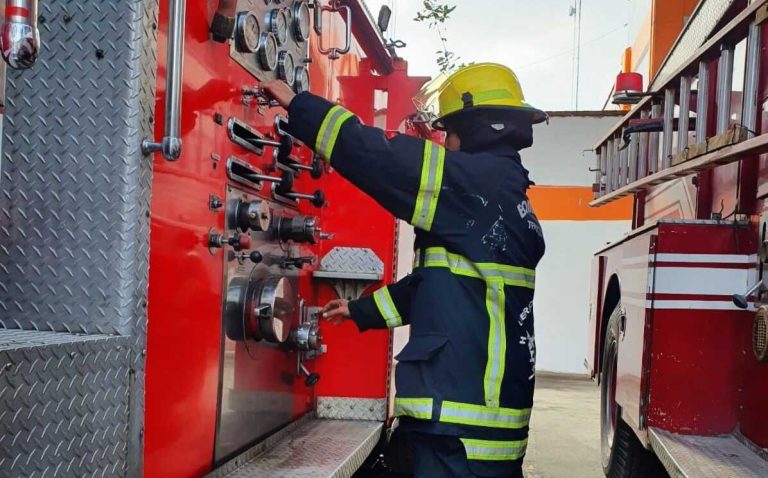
689,124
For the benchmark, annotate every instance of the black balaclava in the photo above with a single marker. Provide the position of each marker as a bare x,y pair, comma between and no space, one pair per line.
487,129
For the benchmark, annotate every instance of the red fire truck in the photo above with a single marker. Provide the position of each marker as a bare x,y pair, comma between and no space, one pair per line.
679,321
165,245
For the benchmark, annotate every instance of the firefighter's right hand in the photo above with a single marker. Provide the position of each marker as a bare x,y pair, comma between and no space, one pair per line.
279,91
337,310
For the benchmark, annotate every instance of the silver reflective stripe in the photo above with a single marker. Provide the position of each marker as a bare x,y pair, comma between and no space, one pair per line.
482,416
490,450
387,308
329,131
414,407
430,186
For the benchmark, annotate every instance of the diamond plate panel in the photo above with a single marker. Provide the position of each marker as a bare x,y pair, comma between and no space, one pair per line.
309,449
335,408
351,263
706,457
696,32
74,185
63,404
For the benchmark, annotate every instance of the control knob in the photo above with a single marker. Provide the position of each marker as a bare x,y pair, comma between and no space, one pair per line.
301,229
253,215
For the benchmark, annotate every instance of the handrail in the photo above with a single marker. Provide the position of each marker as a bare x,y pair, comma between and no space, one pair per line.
334,7
170,145
369,37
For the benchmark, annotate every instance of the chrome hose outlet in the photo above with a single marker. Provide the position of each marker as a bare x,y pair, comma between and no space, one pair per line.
21,38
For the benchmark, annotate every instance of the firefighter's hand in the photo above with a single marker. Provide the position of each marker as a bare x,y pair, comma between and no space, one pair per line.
337,310
279,91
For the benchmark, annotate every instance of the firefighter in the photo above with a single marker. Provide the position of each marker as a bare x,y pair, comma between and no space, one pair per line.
465,379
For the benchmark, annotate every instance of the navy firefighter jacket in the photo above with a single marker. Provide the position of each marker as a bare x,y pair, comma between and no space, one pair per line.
468,368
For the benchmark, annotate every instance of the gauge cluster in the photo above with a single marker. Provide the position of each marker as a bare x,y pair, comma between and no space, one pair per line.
271,40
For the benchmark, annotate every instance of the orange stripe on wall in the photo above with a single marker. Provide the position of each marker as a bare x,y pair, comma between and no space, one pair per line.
566,203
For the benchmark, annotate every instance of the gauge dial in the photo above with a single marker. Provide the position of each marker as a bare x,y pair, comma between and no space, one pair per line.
247,33
301,80
278,25
301,21
286,68
268,51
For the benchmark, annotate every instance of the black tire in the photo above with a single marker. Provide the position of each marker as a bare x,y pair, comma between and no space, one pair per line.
623,456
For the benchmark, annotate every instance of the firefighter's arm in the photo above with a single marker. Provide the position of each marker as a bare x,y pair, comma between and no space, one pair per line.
387,307
417,181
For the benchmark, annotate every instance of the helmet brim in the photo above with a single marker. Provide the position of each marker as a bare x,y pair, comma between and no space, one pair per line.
537,116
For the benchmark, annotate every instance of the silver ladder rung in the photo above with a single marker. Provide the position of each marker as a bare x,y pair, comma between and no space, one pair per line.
685,113
653,145
669,118
751,79
642,167
724,85
702,102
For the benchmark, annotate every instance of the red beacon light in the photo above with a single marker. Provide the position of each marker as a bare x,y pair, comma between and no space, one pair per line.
629,89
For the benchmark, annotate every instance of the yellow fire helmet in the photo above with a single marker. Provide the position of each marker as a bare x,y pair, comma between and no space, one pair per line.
480,86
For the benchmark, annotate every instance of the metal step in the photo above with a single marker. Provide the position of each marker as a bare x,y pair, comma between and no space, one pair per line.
309,448
64,404
704,457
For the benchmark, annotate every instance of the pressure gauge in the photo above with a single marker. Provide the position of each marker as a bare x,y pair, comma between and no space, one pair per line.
301,21
286,68
278,24
247,33
268,51
301,80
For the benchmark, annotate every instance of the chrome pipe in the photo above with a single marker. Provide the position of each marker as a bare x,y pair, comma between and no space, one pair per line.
752,79
702,102
724,85
170,145
669,120
20,38
685,113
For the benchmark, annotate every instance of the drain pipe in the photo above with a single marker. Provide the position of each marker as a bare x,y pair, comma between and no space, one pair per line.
20,39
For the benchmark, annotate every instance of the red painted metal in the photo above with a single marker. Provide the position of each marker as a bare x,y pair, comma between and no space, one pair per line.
186,280
592,361
369,37
687,370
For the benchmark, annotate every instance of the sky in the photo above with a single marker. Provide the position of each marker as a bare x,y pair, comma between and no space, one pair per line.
533,37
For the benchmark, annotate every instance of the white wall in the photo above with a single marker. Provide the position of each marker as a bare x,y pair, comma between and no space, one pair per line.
559,155
561,305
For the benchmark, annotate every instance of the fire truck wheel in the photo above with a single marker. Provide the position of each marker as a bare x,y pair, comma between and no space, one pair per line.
623,455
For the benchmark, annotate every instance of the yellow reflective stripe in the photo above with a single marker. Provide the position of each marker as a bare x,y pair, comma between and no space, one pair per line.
497,342
482,416
481,97
429,189
329,131
459,265
414,407
387,308
490,450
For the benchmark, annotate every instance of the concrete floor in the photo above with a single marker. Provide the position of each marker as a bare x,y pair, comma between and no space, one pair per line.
564,440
